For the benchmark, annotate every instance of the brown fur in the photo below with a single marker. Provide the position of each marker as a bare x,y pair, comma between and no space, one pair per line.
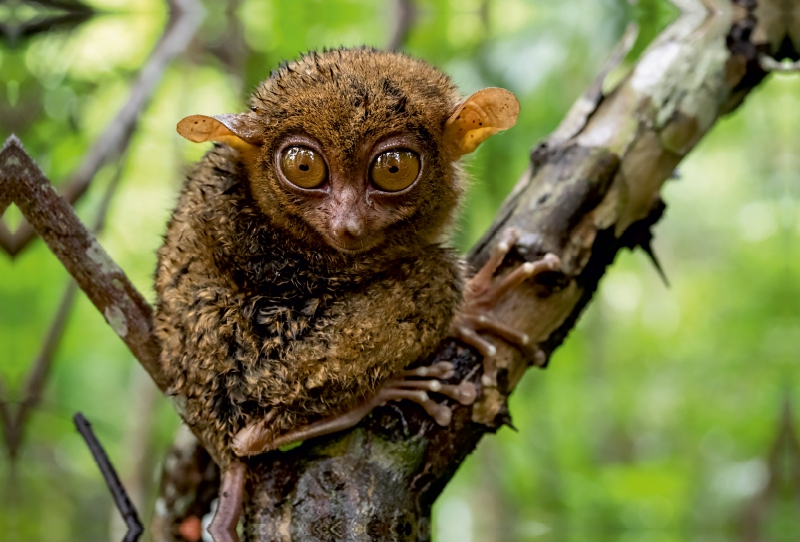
259,313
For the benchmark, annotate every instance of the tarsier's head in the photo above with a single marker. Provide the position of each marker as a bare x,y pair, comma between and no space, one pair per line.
358,148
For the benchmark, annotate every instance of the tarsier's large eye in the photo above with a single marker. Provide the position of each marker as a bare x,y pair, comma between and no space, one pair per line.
394,170
303,167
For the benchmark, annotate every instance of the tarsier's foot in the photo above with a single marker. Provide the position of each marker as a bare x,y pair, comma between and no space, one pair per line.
412,385
229,506
481,295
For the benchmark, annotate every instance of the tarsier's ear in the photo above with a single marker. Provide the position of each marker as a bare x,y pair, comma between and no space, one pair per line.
480,116
239,131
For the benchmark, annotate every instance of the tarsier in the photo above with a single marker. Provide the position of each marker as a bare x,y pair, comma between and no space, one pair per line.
304,267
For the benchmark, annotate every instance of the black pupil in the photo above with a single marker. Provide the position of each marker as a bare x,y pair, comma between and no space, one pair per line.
303,167
394,169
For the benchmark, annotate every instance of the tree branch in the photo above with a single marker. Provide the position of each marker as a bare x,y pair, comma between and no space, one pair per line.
120,496
185,18
39,371
406,16
37,376
123,307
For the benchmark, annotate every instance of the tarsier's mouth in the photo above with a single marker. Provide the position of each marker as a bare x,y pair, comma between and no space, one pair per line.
353,245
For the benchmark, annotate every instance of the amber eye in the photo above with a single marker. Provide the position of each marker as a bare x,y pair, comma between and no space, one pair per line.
394,170
303,167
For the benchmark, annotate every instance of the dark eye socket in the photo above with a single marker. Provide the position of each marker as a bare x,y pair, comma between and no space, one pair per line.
303,167
394,170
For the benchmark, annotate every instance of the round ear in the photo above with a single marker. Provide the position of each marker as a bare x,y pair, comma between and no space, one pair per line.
482,115
239,131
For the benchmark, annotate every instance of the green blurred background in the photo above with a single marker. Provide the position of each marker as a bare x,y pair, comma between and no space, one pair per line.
669,413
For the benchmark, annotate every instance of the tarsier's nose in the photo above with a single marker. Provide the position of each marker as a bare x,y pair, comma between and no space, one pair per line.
347,222
348,228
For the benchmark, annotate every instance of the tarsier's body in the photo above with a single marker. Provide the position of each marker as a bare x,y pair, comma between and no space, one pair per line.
254,323
303,268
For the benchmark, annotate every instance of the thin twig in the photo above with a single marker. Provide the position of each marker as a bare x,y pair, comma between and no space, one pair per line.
6,418
40,370
177,35
72,6
120,496
406,13
38,25
185,18
586,105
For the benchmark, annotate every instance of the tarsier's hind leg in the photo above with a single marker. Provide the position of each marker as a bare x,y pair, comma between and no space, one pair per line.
412,385
481,295
229,506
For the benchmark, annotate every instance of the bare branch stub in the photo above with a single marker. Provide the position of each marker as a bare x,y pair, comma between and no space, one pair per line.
106,285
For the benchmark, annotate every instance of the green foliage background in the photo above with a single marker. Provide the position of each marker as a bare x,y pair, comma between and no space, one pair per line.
656,421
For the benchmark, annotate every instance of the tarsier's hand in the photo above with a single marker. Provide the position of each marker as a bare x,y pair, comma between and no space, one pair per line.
481,295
